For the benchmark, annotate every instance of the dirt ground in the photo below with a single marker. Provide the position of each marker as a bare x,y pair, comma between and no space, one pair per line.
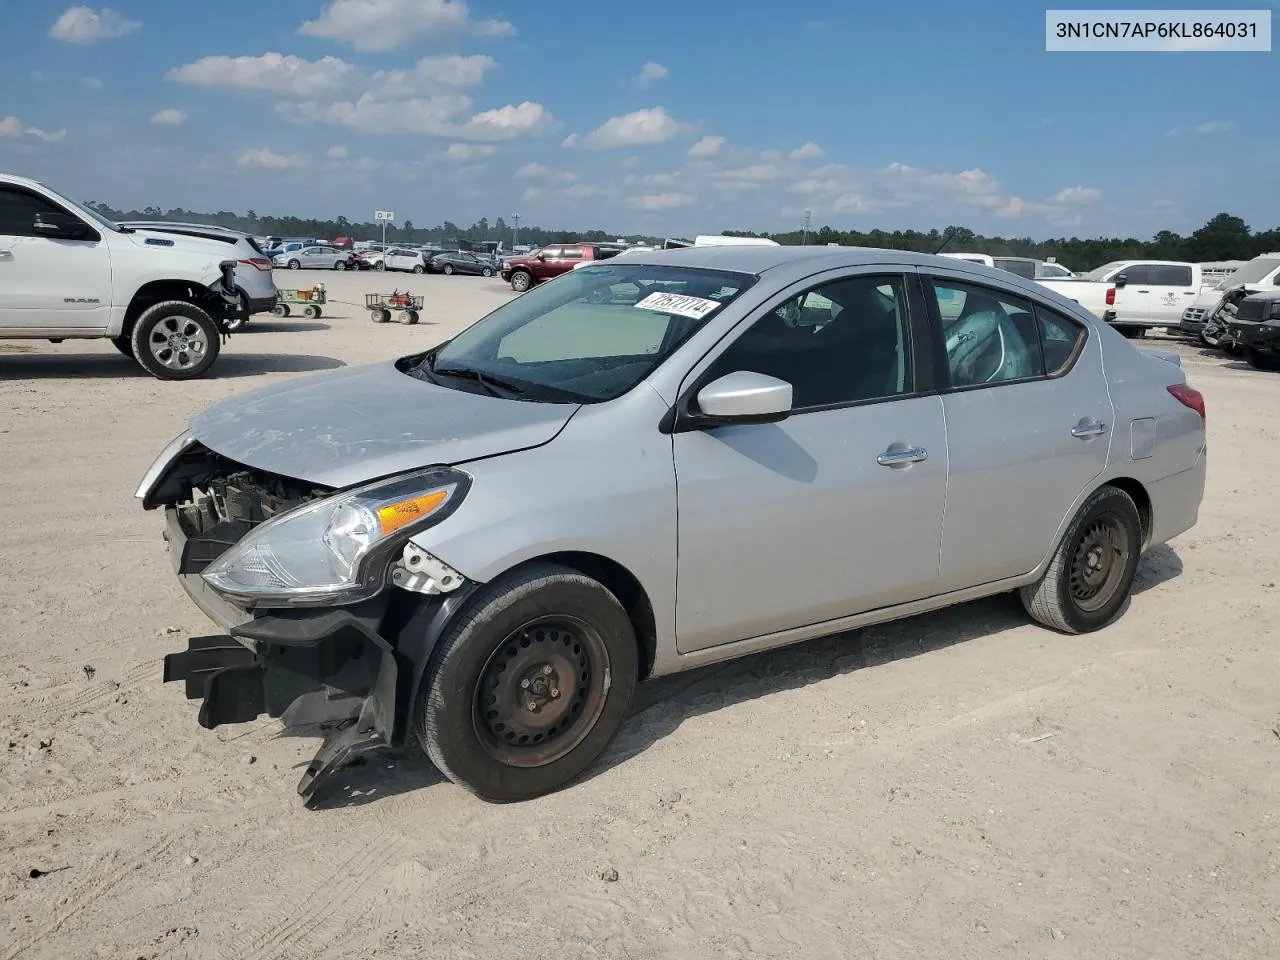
958,785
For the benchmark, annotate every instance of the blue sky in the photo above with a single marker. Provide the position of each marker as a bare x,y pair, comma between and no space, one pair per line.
919,113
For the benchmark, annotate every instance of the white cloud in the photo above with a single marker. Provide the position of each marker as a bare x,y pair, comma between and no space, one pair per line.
270,73
707,147
652,125
336,152
660,201
430,73
469,151
169,117
84,25
1215,126
808,151
380,25
92,83
13,127
651,73
572,140
1077,194
536,171
443,115
263,158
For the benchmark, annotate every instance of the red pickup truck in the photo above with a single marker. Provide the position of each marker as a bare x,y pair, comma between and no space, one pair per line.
549,262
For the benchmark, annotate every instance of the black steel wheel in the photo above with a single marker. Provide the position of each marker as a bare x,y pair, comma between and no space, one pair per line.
1087,583
529,684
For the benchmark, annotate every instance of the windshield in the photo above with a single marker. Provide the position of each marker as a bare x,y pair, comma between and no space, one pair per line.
1100,273
588,336
1017,265
1255,271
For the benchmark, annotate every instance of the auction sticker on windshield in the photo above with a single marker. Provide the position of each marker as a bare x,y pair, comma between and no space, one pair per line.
693,307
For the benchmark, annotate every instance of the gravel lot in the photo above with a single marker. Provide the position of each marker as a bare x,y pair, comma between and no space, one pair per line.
957,785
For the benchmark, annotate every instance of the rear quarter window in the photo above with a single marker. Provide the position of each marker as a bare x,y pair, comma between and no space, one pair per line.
1061,340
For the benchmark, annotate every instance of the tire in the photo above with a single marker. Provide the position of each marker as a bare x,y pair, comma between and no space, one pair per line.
1068,597
157,332
380,266
295,265
1129,332
419,268
312,311
339,264
486,272
379,316
1262,359
280,310
1231,348
124,345
447,269
413,317
521,281
533,626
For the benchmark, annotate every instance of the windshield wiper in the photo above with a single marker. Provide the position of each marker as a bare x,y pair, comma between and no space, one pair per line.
495,385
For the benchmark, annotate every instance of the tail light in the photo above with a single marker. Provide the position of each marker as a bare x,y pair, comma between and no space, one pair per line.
258,263
1111,296
1189,397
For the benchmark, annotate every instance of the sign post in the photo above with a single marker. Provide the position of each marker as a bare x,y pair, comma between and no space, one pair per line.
384,217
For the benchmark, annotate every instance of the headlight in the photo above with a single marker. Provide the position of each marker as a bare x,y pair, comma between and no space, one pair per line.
335,550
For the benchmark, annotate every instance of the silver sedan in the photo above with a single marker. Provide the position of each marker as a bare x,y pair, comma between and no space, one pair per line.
652,464
314,258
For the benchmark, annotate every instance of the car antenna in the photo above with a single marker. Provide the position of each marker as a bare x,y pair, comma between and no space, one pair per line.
945,240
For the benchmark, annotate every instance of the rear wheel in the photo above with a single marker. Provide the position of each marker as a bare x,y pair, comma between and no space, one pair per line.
176,340
380,266
379,316
1129,331
413,317
1091,574
339,264
529,684
447,269
312,311
280,310
419,268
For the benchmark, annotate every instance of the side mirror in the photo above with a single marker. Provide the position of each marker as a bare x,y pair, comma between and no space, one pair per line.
1119,281
1273,310
59,226
542,256
745,397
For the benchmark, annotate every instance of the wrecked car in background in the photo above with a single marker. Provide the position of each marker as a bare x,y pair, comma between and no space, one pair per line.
476,548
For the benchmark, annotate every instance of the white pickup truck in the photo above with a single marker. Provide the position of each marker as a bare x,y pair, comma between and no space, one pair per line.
66,272
1132,295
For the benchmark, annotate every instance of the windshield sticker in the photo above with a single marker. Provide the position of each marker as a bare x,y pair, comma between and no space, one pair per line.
693,307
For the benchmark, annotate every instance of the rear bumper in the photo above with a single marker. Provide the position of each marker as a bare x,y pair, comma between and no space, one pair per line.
262,305
1175,501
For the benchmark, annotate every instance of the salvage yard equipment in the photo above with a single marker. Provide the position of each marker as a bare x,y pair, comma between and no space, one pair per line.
381,305
311,300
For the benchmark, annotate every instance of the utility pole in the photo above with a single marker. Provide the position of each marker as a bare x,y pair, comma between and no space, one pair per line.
515,229
808,214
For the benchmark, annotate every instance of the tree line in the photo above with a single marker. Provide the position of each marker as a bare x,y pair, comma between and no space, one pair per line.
1224,237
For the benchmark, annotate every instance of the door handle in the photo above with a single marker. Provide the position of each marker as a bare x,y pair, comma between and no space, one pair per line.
6,254
1144,291
903,457
1089,428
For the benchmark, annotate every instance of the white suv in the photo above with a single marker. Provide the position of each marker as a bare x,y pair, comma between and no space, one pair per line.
254,281
67,272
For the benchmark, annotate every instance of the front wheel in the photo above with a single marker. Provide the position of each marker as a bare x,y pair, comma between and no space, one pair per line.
312,311
1091,574
295,265
447,270
419,268
521,281
339,264
380,266
530,684
176,340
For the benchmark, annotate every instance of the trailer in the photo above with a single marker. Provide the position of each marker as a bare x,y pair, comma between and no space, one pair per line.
311,300
407,307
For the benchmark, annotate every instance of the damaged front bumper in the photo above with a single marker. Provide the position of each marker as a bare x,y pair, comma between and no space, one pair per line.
357,668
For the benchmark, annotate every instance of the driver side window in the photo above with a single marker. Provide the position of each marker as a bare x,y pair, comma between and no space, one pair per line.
844,342
18,211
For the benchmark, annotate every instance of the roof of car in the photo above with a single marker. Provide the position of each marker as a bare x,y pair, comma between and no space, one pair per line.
756,260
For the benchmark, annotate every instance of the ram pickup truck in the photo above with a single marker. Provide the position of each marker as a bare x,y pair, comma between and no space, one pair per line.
67,272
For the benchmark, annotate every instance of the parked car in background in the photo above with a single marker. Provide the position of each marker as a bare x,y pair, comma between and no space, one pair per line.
1255,329
550,262
1052,271
253,279
69,273
1257,275
476,549
1152,294
315,258
462,262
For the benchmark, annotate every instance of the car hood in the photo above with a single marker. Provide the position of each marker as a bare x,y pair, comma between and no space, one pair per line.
361,423
177,243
